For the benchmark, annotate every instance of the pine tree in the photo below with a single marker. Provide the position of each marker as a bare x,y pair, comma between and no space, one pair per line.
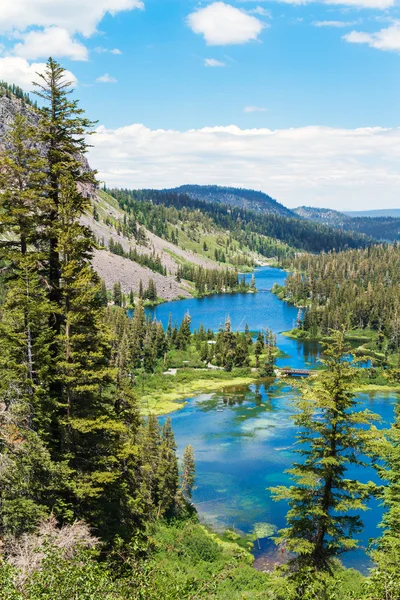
188,477
259,348
167,474
185,331
22,182
24,333
151,292
117,294
103,294
323,518
138,334
63,130
385,581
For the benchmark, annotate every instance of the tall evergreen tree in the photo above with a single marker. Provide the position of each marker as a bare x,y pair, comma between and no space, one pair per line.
188,477
167,473
385,581
323,519
24,334
63,130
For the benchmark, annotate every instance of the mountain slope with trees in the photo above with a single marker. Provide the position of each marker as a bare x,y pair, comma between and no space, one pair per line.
267,234
381,227
231,196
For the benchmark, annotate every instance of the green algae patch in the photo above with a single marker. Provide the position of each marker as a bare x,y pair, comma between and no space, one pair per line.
163,394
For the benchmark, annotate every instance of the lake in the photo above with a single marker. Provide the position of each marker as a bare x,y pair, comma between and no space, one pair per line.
243,437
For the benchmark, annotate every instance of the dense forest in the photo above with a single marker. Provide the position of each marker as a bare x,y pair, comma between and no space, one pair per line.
94,502
357,289
270,235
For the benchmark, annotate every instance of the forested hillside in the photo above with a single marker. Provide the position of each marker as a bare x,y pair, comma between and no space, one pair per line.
230,196
267,234
381,227
356,289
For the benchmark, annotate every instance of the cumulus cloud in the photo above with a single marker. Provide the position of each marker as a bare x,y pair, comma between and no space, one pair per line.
51,41
212,62
77,16
386,39
106,78
222,24
47,27
342,168
17,70
254,109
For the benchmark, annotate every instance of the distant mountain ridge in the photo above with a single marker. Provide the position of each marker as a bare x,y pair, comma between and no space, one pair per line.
231,196
380,227
329,216
383,212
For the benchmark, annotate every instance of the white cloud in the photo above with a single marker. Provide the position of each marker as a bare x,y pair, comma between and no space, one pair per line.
51,41
212,62
254,109
102,50
222,24
263,12
342,168
333,23
77,16
385,39
17,70
106,78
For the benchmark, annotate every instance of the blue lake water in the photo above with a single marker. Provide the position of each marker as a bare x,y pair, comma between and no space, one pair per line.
243,437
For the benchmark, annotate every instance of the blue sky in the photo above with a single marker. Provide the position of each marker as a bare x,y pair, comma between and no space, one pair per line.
301,100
